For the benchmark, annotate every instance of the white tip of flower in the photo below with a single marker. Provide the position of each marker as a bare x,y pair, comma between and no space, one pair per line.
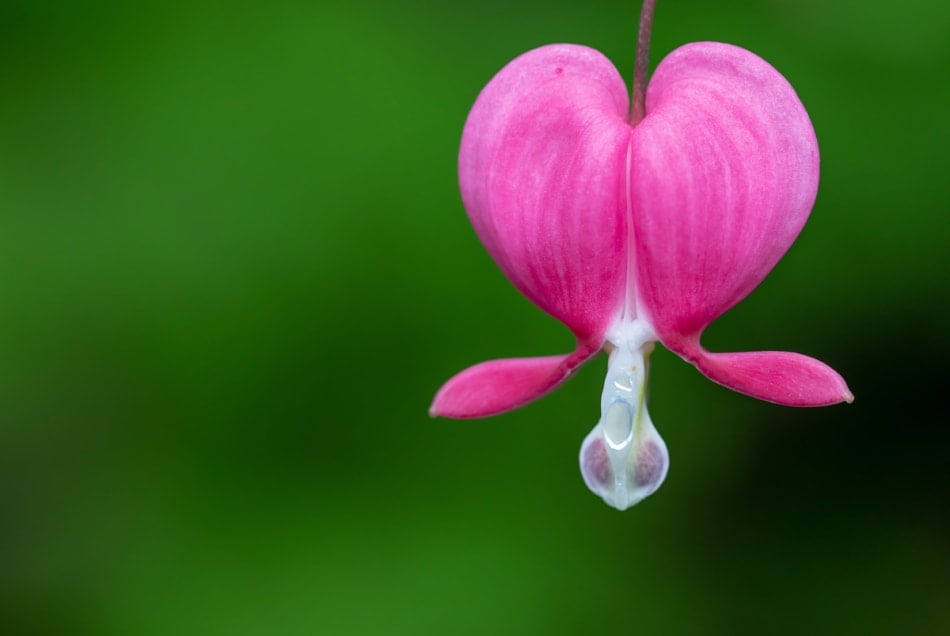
626,473
624,459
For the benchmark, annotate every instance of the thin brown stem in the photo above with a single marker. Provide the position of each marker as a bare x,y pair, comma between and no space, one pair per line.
641,66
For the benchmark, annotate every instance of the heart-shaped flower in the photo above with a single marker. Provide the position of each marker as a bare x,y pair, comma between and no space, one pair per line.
629,234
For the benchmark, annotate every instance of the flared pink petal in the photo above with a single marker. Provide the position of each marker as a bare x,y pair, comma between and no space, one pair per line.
723,175
497,386
785,378
542,175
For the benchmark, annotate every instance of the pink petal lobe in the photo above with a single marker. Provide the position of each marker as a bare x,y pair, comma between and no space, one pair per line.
541,170
498,386
791,379
723,175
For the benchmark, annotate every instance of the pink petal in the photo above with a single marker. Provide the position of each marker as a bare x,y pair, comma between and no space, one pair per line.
776,376
542,175
497,386
723,176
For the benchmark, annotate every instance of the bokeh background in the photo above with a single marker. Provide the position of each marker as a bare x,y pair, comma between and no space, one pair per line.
234,268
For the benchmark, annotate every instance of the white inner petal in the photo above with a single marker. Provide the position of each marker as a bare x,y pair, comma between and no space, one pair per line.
624,459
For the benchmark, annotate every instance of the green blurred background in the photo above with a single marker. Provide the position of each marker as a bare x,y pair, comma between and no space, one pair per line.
234,268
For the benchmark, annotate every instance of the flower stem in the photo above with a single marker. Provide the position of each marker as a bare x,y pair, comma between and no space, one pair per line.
641,66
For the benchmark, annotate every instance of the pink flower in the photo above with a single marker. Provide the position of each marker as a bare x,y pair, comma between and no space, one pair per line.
632,234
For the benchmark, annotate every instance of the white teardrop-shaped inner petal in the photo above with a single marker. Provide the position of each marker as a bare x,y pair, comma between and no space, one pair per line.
623,459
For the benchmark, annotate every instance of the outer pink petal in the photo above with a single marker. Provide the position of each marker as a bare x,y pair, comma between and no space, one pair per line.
776,376
541,170
497,386
724,173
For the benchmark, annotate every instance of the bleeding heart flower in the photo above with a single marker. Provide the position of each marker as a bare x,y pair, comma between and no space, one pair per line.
635,228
